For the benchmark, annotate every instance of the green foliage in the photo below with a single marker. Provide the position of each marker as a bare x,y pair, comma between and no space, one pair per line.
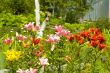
10,20
102,23
56,57
56,21
74,28
17,6
2,61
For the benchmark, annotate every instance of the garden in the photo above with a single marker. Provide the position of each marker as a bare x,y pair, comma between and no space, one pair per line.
45,36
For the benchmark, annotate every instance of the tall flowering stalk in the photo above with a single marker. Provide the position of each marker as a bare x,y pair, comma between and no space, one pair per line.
37,10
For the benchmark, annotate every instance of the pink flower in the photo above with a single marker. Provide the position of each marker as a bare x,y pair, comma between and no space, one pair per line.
65,33
58,28
29,26
43,61
32,70
8,41
37,27
53,39
20,37
61,32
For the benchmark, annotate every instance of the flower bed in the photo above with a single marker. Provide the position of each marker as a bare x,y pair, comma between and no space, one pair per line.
61,51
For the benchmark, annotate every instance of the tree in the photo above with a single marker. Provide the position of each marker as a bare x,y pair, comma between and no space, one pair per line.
17,6
68,9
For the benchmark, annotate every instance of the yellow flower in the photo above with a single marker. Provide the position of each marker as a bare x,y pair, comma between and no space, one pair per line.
12,55
25,45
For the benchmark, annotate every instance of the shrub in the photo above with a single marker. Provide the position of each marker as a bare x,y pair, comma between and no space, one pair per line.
10,20
17,6
102,23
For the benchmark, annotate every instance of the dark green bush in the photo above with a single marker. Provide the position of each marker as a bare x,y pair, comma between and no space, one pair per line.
74,27
102,23
17,6
54,21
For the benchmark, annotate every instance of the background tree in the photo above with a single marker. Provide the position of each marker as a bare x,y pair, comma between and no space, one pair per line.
17,6
70,10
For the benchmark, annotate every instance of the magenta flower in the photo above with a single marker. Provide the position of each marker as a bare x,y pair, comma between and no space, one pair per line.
20,37
43,61
29,26
53,39
58,28
63,32
7,41
37,27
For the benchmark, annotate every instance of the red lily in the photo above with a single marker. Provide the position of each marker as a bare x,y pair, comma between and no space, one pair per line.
101,38
81,41
95,43
36,41
38,52
93,37
95,30
85,34
71,38
102,46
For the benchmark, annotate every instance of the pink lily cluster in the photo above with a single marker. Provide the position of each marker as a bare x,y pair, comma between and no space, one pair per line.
7,41
31,70
53,39
31,27
60,31
20,37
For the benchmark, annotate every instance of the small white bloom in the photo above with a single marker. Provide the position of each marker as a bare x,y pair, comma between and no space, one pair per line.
53,47
43,61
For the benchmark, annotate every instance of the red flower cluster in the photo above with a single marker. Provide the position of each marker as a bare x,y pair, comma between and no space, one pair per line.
78,38
93,36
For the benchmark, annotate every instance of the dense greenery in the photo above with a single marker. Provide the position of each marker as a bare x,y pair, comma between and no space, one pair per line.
17,6
69,10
